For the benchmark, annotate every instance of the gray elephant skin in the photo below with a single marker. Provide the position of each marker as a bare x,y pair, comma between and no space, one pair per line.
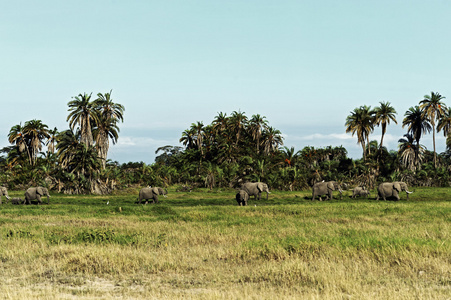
151,193
4,192
35,193
360,191
392,189
255,189
325,188
241,197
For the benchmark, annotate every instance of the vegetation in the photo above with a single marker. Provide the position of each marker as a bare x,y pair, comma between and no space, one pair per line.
202,245
231,150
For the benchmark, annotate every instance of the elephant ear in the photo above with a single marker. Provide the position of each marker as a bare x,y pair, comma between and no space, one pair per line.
260,186
40,190
330,185
155,190
397,186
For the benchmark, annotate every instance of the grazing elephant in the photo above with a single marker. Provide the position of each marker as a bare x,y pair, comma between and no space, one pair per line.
4,192
151,193
35,193
360,191
255,189
17,201
391,189
325,188
241,197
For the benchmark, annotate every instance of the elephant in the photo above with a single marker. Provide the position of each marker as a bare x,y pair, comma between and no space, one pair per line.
325,188
360,191
151,193
241,197
17,201
255,189
391,189
35,193
4,192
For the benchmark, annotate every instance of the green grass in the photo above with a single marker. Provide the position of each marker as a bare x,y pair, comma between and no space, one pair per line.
202,245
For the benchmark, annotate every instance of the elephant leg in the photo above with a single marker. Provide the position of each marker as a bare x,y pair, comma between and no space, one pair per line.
156,199
396,195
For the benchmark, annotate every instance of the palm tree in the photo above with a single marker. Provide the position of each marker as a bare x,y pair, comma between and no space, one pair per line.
382,116
416,123
445,124
256,125
433,108
36,132
198,129
105,130
411,153
53,133
187,138
238,121
17,136
271,139
82,111
108,115
67,144
361,122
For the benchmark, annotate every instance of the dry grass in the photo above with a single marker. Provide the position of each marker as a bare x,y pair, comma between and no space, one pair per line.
304,250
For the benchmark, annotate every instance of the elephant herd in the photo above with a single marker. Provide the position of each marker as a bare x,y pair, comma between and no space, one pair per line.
33,193
325,188
384,190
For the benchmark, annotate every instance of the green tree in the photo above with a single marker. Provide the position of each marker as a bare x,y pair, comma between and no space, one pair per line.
417,124
257,125
433,108
445,124
383,114
361,123
82,113
36,133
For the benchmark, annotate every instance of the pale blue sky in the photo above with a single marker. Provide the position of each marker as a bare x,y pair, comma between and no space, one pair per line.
303,64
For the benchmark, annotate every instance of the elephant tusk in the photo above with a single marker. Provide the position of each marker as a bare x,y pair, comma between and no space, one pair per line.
409,192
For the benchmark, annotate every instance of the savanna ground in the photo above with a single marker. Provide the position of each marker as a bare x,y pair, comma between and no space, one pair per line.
201,245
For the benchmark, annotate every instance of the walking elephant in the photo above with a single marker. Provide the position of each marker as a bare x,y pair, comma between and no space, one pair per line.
360,191
35,193
392,189
148,193
255,189
325,188
4,192
241,197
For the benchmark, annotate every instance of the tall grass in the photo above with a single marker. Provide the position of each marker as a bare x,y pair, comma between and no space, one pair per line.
201,245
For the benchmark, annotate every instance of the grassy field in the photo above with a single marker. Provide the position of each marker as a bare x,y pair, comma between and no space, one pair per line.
201,245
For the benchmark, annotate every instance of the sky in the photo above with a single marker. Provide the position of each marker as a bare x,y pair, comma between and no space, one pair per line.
304,65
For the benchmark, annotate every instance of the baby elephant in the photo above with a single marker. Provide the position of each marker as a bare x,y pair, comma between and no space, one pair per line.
241,197
360,191
17,201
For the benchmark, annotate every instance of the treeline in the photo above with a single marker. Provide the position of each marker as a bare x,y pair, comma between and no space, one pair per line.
231,150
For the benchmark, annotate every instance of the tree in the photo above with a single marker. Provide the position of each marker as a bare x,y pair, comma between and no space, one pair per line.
108,115
238,121
36,132
411,153
361,123
445,124
17,136
417,124
82,112
272,139
256,126
383,114
433,108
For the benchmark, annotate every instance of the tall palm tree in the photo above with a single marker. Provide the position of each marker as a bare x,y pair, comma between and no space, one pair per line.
238,121
199,136
361,123
82,111
17,136
383,114
417,124
256,125
67,144
271,139
188,138
105,130
108,115
51,142
433,108
36,132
